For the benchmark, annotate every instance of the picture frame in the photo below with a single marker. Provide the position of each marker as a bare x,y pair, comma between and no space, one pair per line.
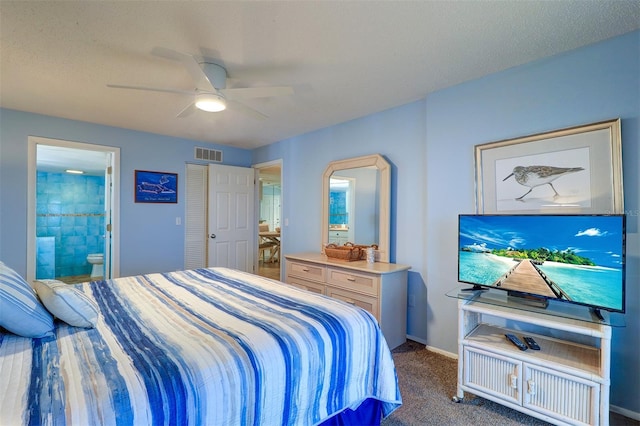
566,171
155,187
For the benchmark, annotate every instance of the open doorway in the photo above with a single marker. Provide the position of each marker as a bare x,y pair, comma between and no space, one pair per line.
73,211
269,188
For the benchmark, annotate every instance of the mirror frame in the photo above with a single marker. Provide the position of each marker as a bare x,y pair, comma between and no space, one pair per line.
384,224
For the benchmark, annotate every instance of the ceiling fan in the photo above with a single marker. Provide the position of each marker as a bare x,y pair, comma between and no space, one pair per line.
210,93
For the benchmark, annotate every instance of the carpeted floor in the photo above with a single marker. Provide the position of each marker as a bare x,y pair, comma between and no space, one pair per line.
427,383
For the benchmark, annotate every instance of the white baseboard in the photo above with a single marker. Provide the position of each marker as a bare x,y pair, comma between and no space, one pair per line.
431,348
416,339
623,411
441,352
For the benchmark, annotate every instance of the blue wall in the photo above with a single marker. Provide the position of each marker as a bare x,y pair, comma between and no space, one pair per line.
591,84
150,240
430,146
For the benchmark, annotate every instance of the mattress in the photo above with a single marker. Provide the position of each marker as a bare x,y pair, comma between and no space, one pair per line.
208,346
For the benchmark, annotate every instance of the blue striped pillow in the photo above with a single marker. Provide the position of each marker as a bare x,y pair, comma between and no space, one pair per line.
20,310
67,303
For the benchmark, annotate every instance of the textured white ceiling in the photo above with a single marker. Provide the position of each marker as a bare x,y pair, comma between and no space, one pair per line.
345,59
58,159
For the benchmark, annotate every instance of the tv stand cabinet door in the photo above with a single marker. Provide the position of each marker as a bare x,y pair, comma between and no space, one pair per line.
561,396
493,375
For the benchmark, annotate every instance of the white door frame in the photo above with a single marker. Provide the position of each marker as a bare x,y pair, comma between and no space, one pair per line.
33,141
283,222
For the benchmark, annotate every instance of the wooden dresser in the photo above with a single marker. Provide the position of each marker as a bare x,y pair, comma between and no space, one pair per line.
380,288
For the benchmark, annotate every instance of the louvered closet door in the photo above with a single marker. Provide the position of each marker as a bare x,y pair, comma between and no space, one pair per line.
493,374
563,397
195,245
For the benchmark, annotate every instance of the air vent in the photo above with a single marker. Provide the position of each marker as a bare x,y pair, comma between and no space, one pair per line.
208,154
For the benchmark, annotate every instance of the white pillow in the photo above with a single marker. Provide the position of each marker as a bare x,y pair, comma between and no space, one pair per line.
20,311
67,303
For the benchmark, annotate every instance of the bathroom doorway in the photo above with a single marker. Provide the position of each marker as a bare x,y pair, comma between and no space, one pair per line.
269,188
73,211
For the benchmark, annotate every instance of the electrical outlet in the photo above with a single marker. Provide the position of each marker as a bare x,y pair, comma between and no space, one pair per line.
178,220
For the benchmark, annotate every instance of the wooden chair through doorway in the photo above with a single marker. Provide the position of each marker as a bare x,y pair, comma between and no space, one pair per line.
270,243
273,249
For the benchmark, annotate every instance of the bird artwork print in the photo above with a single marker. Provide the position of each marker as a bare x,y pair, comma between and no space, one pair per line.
534,176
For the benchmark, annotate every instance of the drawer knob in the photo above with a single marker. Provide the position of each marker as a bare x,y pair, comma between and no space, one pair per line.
305,269
351,279
531,387
514,381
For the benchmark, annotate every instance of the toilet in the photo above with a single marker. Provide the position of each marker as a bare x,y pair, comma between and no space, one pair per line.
96,259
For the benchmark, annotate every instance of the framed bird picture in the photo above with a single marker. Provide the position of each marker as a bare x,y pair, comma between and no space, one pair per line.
573,170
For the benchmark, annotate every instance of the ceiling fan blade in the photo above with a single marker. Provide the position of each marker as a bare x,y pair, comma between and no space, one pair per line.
211,78
237,106
188,110
153,89
257,92
199,77
163,52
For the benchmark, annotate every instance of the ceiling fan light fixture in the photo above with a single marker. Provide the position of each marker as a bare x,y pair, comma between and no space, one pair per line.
211,102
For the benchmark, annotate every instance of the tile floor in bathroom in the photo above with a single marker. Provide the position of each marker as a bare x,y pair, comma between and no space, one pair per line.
74,279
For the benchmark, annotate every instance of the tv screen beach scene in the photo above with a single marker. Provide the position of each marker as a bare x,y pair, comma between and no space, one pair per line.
574,258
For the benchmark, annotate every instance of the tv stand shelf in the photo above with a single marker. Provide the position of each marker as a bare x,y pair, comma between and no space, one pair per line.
554,308
566,382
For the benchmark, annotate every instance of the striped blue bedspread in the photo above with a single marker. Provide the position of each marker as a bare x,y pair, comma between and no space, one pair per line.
202,347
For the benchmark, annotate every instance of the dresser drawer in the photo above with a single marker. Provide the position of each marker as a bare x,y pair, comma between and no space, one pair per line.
306,271
312,286
362,283
367,303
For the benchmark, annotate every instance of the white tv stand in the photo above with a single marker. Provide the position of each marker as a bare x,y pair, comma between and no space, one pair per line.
566,382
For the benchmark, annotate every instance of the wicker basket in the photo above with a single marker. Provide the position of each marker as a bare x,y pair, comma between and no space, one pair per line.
363,249
345,252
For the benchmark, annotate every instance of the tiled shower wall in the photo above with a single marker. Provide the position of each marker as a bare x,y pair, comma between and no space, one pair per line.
70,208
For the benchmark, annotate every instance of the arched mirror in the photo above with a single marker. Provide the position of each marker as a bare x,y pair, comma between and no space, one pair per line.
356,203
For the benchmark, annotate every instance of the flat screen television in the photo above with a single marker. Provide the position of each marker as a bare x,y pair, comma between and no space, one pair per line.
570,258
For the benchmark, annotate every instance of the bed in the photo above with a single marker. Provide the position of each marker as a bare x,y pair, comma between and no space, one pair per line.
208,346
